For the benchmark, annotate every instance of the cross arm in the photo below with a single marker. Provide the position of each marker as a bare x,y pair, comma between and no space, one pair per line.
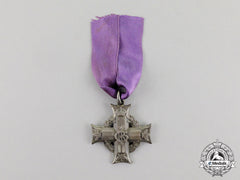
140,133
102,133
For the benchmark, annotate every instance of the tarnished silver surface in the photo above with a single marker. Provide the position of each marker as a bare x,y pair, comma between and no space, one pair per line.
121,134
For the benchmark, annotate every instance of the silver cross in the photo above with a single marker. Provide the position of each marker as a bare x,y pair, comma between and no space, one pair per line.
121,134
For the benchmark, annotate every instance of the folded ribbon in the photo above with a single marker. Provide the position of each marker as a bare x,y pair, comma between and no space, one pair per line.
117,53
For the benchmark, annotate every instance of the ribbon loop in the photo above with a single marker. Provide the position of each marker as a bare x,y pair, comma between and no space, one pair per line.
117,53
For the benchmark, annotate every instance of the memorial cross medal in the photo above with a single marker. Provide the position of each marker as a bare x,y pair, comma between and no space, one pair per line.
117,66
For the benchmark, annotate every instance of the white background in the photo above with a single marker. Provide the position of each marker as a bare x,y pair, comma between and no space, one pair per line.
189,90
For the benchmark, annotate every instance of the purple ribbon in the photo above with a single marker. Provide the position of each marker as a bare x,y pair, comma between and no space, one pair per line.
117,53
